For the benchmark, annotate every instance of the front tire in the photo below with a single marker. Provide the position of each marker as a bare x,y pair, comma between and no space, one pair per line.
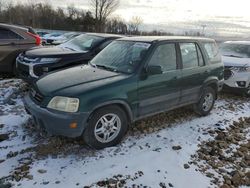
247,91
206,102
106,127
14,70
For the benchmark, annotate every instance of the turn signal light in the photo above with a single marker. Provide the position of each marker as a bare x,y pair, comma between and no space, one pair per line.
73,125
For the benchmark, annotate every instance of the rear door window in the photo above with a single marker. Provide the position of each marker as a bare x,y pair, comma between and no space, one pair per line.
189,55
212,52
6,34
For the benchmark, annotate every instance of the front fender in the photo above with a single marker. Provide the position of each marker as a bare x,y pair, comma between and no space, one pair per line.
125,106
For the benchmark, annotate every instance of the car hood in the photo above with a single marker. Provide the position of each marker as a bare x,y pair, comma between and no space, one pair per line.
235,61
56,38
51,51
74,77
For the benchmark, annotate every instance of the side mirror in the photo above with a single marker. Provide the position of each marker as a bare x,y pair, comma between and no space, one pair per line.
154,69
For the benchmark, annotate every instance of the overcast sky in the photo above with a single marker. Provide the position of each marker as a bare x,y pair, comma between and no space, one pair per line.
163,13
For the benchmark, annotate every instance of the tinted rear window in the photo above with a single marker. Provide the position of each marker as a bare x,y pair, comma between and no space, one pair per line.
7,34
32,31
212,52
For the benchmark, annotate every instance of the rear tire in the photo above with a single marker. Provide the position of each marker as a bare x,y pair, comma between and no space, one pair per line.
106,127
206,102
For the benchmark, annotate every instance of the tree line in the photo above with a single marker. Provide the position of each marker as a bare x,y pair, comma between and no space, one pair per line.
97,19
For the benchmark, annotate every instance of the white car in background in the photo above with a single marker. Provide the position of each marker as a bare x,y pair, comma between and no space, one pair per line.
51,37
236,59
65,37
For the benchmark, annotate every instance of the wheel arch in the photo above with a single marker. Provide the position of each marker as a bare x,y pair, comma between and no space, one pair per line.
120,103
213,83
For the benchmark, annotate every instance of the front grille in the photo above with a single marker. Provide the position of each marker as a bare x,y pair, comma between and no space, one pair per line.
227,73
25,59
38,70
24,63
38,97
23,69
50,41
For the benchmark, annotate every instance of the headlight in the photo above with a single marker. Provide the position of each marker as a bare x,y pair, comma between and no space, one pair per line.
241,69
49,60
247,69
65,104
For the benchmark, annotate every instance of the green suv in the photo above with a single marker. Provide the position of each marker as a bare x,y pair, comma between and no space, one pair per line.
130,79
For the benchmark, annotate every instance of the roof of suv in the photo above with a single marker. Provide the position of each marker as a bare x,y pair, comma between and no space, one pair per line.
13,26
164,38
105,35
237,42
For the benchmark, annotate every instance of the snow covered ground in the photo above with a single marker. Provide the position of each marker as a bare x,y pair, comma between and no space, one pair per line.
156,152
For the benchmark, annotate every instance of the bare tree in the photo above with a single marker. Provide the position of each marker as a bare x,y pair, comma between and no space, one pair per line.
102,9
9,7
1,5
134,24
73,11
116,25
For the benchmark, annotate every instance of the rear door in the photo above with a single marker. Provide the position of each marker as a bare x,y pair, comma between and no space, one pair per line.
9,45
160,92
194,72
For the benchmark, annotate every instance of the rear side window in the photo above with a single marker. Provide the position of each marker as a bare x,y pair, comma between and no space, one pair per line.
6,34
164,56
189,55
212,52
30,30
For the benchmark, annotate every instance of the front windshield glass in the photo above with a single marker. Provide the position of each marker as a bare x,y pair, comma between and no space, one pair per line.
83,42
121,56
68,35
235,50
55,35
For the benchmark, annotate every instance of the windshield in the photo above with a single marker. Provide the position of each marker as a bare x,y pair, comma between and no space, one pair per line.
235,50
55,35
121,56
83,42
69,35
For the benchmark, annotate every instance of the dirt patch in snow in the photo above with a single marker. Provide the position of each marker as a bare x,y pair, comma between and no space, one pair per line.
227,155
118,181
4,137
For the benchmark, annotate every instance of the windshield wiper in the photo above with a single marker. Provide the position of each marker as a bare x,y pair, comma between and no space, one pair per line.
107,68
69,48
92,64
233,56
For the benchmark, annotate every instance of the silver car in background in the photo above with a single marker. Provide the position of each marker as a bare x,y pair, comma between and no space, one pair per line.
65,37
236,59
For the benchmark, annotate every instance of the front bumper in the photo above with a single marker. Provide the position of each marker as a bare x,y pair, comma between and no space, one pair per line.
236,78
55,122
24,72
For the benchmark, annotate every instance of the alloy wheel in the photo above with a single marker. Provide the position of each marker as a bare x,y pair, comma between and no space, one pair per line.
107,128
208,102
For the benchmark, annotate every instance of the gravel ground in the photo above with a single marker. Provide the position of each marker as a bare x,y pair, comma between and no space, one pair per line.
167,150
